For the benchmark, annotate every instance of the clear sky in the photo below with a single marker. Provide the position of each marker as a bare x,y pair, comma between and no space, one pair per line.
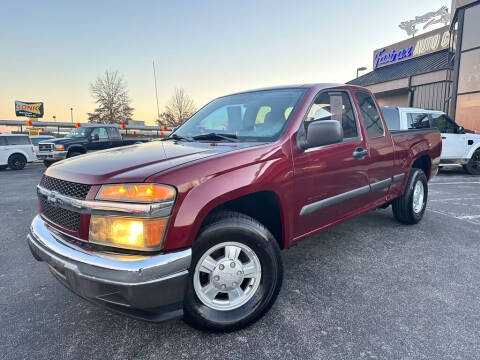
50,51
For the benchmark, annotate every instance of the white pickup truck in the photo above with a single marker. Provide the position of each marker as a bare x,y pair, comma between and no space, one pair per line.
459,146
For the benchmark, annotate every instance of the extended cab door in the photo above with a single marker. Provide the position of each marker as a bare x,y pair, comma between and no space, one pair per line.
379,146
330,181
115,137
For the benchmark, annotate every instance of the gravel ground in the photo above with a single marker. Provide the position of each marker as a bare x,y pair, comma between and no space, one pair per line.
368,288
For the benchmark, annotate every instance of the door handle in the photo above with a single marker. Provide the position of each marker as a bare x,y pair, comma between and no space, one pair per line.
360,153
443,137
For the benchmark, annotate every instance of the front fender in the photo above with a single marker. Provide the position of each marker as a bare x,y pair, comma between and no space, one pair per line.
210,192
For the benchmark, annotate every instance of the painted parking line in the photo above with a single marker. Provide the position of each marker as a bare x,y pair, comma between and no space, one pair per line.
454,217
468,217
455,183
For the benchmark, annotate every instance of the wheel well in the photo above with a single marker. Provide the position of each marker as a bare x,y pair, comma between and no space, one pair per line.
263,206
423,163
18,154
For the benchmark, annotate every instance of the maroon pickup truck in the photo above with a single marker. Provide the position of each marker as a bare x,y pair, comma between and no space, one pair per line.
193,225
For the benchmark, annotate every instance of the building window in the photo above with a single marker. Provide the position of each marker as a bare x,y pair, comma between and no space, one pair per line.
471,28
468,108
469,76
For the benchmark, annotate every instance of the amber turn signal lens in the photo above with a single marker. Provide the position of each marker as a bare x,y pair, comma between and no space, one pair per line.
127,233
140,193
59,147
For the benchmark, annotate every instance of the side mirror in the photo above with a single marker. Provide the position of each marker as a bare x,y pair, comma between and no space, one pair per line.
460,130
94,137
323,132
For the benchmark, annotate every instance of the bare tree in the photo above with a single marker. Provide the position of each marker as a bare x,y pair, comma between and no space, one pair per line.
178,109
111,95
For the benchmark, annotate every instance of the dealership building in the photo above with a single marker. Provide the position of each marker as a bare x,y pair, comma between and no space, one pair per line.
437,70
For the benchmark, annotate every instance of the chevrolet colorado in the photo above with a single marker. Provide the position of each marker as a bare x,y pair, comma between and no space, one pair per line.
193,225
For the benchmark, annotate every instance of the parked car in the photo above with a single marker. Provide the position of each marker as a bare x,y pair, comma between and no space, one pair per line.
15,151
87,138
35,139
459,147
194,224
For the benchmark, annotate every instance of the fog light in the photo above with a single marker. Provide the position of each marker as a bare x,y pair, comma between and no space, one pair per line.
127,233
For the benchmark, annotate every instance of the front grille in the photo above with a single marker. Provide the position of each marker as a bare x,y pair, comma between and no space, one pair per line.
45,147
67,219
67,188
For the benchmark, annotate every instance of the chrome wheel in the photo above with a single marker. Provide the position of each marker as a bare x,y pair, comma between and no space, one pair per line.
418,197
227,276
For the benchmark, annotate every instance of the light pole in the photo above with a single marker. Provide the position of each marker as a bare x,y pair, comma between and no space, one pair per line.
71,114
363,68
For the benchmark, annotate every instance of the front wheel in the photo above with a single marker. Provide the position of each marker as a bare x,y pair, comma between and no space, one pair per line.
235,276
473,165
410,207
17,162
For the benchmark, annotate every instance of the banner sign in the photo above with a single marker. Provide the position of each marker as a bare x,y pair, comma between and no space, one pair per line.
424,44
29,109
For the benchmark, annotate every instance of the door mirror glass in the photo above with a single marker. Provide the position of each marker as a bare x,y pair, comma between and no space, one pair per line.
323,132
460,130
95,137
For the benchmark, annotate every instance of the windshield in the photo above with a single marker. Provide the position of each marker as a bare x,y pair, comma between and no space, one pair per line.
77,133
252,116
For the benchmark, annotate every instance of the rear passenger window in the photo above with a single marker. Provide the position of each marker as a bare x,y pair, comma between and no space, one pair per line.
371,117
113,133
334,106
418,121
392,118
18,140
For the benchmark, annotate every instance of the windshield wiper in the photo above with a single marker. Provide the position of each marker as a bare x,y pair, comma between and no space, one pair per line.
216,136
178,137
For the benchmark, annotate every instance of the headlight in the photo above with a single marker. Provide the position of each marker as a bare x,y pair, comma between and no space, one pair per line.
127,232
59,147
139,193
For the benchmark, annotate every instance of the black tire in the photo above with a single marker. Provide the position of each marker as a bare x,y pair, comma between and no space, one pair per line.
73,153
243,229
17,161
47,163
473,165
403,207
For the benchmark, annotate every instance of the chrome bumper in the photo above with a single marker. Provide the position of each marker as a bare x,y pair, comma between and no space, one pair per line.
147,287
52,155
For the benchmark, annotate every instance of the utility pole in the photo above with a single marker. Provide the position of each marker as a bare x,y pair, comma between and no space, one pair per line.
156,91
71,114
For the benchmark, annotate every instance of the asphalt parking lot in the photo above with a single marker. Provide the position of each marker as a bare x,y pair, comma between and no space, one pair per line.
368,288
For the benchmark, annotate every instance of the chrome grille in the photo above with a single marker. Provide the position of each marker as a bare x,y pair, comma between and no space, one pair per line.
45,147
67,219
67,188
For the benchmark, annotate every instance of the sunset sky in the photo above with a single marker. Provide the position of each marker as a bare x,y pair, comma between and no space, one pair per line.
50,51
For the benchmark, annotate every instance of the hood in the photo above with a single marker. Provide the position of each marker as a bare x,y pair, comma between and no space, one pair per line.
64,141
135,163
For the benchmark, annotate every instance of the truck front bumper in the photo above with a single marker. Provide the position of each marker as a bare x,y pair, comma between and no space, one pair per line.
52,155
147,287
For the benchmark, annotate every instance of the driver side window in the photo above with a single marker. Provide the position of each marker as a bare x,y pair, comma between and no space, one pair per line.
334,105
101,132
443,123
